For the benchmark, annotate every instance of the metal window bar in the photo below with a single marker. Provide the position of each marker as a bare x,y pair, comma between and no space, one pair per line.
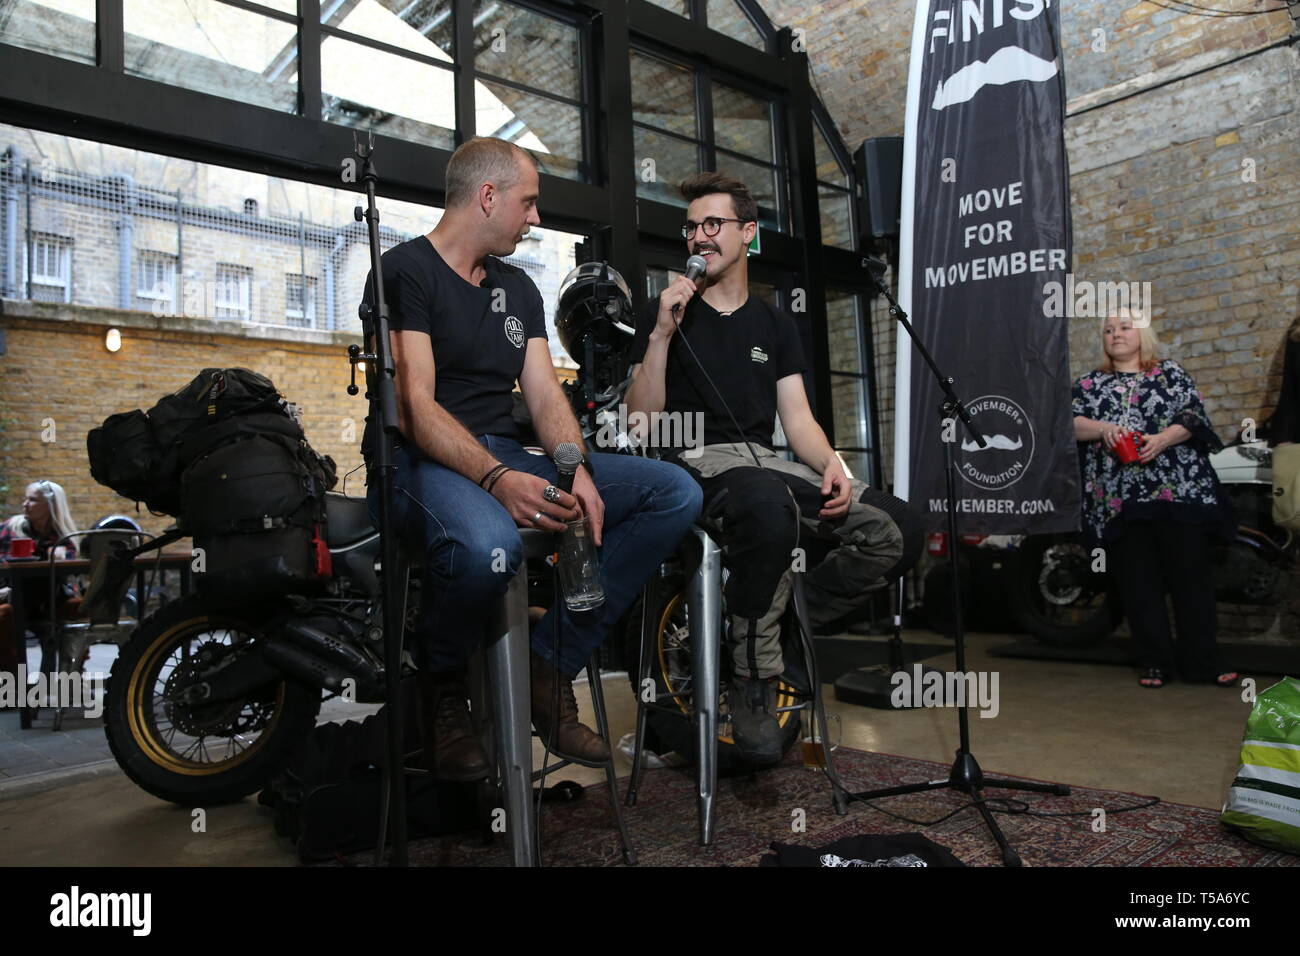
157,250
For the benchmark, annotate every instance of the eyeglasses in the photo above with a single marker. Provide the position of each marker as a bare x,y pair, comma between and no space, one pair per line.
711,224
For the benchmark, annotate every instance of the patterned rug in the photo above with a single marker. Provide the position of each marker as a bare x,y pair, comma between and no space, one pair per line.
753,811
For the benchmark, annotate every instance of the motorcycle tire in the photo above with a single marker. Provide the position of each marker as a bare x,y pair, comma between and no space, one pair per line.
670,671
1091,616
165,746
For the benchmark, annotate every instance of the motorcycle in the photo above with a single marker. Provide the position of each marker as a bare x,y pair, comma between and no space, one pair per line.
205,704
1057,590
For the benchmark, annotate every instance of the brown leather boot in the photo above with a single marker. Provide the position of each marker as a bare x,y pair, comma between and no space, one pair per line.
571,740
451,750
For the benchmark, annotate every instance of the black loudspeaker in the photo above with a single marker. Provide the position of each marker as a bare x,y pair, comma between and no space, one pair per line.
878,164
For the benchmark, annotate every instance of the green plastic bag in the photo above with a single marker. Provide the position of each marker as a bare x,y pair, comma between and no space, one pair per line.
1264,800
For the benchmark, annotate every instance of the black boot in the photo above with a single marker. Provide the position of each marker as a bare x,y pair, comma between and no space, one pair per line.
754,726
561,731
451,750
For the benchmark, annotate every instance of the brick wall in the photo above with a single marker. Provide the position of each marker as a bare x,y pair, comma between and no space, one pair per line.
1203,205
1163,110
1169,117
71,173
55,367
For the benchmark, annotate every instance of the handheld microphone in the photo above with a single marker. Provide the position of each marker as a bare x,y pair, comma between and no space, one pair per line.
696,266
567,459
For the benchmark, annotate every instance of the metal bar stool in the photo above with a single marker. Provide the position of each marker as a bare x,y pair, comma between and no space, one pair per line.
505,720
611,777
704,609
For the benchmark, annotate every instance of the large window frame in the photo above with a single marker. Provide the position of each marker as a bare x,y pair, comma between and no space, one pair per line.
101,101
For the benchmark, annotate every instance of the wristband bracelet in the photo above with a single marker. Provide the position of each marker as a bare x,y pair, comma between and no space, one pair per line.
496,478
492,472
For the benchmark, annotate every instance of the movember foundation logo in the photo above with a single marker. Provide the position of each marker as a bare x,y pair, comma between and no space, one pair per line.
1010,437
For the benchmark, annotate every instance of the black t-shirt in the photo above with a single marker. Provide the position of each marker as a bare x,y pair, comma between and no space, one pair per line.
745,353
479,334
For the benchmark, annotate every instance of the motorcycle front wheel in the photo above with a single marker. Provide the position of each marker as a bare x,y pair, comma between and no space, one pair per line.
670,668
195,753
1055,595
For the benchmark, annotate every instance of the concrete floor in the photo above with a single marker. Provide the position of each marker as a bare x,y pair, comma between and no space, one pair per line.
1073,723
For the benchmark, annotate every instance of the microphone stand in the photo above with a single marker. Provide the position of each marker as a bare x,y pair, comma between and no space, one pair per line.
965,775
874,686
382,394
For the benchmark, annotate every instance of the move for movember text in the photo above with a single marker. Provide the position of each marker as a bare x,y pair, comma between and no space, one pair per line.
988,233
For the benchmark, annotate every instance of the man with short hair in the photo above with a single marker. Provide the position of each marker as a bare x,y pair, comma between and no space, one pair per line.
465,326
709,348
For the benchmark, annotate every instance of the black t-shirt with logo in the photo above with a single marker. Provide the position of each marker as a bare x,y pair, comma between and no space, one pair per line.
745,353
479,334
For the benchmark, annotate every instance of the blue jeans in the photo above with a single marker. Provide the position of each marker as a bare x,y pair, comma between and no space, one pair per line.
472,549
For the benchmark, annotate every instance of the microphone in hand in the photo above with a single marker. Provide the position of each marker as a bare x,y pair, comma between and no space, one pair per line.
696,266
567,459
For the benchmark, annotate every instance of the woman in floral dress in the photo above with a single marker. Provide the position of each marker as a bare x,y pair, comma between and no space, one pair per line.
1155,517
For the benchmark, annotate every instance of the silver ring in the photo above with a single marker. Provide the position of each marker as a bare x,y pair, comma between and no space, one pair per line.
551,494
537,517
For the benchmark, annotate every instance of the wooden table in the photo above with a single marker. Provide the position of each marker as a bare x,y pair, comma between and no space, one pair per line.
18,571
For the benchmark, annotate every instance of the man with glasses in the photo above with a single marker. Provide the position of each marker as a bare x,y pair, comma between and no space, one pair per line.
465,327
710,349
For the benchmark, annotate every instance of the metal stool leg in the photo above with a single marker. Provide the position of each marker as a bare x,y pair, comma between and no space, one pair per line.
704,605
507,662
818,704
638,757
403,572
484,728
602,728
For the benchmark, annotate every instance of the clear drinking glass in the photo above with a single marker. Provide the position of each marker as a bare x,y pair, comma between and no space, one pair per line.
579,568
811,746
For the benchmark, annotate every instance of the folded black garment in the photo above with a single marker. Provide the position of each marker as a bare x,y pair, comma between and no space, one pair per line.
897,849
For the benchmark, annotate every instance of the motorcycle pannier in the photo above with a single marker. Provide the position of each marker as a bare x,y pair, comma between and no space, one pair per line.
125,456
141,455
255,505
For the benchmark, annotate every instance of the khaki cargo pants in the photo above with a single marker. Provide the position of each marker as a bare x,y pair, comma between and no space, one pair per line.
766,521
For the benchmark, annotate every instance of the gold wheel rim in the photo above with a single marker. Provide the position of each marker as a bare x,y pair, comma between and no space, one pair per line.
140,710
785,693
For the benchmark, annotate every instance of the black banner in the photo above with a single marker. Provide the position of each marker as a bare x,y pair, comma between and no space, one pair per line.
990,227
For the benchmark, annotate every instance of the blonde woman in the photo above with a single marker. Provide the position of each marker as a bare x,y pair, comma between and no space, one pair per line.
46,518
1155,516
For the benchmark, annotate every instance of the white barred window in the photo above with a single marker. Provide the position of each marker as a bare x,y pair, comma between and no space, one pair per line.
234,292
300,300
155,281
51,268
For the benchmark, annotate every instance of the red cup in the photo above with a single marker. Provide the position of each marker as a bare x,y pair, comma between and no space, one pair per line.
1126,447
22,547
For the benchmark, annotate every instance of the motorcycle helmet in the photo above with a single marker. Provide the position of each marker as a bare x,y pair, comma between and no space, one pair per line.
593,300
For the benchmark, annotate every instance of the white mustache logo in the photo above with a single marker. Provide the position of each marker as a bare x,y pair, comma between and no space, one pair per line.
1008,65
994,441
